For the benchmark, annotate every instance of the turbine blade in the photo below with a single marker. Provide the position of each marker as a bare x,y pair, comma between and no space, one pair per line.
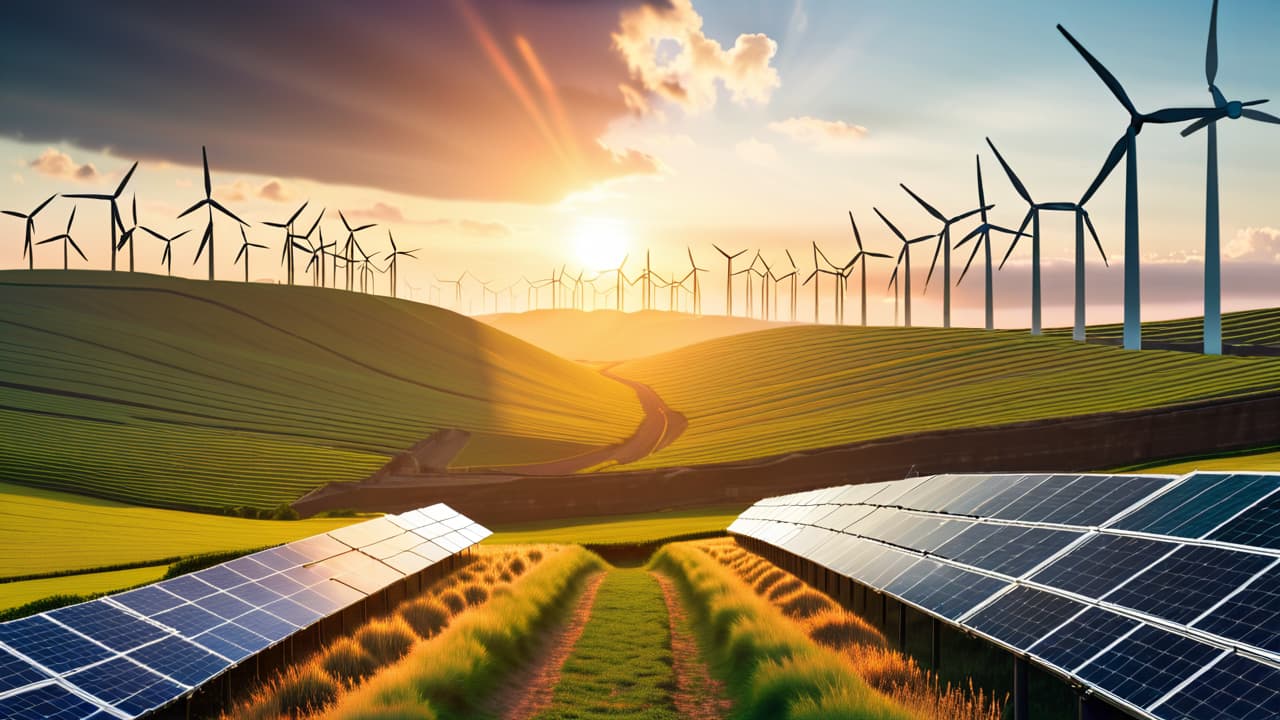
154,234
936,251
1013,177
14,213
208,235
42,205
976,247
1197,126
892,227
164,257
125,181
1026,219
1260,116
88,196
218,206
295,214
1211,50
208,184
1096,241
971,213
77,248
241,254
1177,115
982,197
194,208
1117,152
1110,80
928,208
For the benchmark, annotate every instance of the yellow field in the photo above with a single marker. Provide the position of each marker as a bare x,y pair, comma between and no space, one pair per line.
641,528
196,394
20,593
801,388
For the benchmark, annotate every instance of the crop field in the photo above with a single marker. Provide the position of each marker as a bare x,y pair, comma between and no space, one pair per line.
795,389
78,533
619,529
193,394
15,594
1266,461
1247,328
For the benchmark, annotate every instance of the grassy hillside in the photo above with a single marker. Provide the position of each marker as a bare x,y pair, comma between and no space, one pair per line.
1247,328
611,336
800,388
195,394
76,533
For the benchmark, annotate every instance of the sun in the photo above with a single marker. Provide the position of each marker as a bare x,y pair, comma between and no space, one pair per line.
600,243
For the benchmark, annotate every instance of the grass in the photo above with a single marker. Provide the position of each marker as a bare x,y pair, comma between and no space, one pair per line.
1245,328
621,666
182,393
774,671
800,388
15,594
453,674
618,529
74,532
1268,460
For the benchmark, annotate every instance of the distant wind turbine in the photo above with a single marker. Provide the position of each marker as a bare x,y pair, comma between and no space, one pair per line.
697,286
126,234
944,247
286,253
396,253
1234,110
67,240
167,257
308,248
983,235
244,252
1127,148
115,221
861,256
346,248
29,219
904,254
728,277
212,205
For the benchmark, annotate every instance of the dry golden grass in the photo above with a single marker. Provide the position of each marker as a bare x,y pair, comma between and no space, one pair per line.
857,641
308,688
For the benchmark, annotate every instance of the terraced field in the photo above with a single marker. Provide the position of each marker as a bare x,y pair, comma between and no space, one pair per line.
191,394
1246,329
796,389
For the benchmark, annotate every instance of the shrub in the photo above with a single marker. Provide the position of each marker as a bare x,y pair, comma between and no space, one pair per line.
453,600
386,640
346,661
534,555
303,689
425,615
475,593
516,566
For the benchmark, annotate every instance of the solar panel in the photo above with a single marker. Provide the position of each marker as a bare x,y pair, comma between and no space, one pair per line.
1122,582
131,653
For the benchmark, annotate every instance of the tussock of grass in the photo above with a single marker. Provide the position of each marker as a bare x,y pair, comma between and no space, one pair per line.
862,648
767,580
454,673
516,566
774,671
347,661
425,615
453,600
474,593
386,640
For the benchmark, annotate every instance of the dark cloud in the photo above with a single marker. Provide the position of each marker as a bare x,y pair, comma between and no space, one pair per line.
393,95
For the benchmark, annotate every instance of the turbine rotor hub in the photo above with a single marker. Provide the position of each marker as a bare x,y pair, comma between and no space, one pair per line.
1234,109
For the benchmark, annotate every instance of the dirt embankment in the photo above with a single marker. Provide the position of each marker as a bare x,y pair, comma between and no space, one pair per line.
1088,442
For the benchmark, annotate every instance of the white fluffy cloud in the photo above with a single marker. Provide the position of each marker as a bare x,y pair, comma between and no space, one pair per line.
822,134
688,75
58,164
1255,245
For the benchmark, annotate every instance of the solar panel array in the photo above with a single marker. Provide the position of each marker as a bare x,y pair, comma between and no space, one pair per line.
127,654
1161,593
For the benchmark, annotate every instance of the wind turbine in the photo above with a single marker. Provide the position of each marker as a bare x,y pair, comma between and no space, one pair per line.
167,257
295,245
317,258
67,240
457,287
244,252
619,278
813,276
395,253
1127,148
944,247
983,234
792,276
126,234
862,256
28,251
286,256
1234,110
346,248
904,254
1033,216
212,205
728,277
115,209
697,287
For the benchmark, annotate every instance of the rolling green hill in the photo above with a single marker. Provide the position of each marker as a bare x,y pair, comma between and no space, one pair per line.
1246,329
182,393
793,389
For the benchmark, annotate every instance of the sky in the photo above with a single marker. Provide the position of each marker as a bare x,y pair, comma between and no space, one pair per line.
511,138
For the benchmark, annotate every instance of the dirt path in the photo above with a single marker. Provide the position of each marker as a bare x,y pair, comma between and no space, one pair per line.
529,691
698,696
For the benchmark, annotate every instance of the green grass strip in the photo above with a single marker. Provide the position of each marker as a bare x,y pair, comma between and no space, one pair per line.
774,671
621,667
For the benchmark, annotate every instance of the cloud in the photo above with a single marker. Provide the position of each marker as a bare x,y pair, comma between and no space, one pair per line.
500,102
57,164
822,134
688,76
1255,245
275,191
476,228
380,212
234,192
386,213
756,152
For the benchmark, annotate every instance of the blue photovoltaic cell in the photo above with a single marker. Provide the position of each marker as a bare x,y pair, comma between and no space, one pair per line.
1258,526
232,641
1028,499
1251,616
1237,688
1199,504
1023,615
293,612
885,566
951,592
48,702
110,626
16,672
188,587
224,605
981,491
279,558
249,568
1147,664
255,594
1188,582
265,624
971,538
221,577
189,620
50,644
915,573
1093,500
1011,549
126,685
282,584
148,600
1101,563
181,660
1082,638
